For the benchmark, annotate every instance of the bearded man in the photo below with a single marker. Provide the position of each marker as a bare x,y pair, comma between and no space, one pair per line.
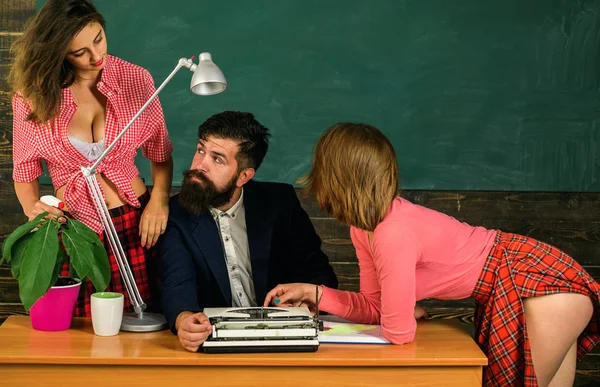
231,239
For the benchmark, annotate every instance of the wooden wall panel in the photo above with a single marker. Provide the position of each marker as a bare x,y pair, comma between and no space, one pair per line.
569,221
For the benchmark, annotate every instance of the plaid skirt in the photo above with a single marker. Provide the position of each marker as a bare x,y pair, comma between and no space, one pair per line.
519,267
126,220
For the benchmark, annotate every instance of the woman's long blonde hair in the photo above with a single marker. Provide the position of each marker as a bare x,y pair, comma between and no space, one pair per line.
39,70
354,174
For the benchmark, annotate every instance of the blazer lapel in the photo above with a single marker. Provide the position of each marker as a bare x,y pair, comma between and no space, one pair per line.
259,241
207,237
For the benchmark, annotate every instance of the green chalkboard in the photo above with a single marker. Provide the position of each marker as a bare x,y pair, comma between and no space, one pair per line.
475,95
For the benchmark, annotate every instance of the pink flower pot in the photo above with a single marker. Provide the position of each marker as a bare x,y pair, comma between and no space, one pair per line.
54,310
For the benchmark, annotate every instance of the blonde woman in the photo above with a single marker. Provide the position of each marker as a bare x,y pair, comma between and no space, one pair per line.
537,309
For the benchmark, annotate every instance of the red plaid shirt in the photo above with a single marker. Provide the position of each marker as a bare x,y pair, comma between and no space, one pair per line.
127,87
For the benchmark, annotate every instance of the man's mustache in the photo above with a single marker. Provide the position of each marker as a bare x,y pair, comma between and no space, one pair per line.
192,173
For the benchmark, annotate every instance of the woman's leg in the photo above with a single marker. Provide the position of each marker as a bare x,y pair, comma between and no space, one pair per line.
554,322
566,373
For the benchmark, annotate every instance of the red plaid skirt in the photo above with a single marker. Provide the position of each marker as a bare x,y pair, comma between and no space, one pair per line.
517,268
126,220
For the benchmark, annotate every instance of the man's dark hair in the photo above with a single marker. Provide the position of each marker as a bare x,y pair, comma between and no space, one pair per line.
252,136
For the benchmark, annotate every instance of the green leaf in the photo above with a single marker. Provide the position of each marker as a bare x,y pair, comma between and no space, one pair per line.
100,274
18,253
94,265
38,264
58,267
83,231
79,250
19,232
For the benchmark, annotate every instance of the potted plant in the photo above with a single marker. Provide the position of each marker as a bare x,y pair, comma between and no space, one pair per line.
36,252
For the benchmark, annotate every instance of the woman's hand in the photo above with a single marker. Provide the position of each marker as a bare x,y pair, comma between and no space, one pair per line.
153,221
297,294
420,313
41,207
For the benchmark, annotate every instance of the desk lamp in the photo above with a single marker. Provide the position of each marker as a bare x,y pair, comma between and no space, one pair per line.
207,79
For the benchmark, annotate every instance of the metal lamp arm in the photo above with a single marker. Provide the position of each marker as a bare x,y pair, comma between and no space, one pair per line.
183,62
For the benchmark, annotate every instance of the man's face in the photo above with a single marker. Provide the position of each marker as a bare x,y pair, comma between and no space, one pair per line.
213,175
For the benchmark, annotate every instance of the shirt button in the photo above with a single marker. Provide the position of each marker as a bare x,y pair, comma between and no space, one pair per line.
100,83
232,268
226,239
240,294
222,215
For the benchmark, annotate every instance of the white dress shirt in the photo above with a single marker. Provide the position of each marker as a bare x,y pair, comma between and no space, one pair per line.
234,239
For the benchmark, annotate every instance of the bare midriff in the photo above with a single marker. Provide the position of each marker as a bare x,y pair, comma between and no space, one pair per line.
111,194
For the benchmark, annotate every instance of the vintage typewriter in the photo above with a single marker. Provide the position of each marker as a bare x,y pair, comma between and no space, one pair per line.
262,329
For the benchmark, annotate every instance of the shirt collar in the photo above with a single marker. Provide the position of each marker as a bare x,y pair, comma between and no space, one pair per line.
109,80
233,211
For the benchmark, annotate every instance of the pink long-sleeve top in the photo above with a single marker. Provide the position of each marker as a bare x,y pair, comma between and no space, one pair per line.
416,253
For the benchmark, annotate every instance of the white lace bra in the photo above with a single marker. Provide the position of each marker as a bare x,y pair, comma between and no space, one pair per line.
90,151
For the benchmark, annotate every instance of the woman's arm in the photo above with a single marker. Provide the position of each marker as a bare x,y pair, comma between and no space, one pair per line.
29,197
397,251
365,306
162,175
157,148
155,216
387,284
28,194
27,166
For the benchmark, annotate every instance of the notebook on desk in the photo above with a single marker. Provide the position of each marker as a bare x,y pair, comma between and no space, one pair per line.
340,331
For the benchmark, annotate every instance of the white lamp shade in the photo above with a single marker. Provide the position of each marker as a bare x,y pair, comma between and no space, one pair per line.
207,78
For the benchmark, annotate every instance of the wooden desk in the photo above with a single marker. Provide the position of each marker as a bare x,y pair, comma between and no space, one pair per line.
443,353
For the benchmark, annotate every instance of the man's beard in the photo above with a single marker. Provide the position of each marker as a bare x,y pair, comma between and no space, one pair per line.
198,199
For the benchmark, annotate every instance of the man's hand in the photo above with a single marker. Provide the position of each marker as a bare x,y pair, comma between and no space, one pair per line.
192,329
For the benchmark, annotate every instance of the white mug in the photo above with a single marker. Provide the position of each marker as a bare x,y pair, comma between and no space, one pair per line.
107,313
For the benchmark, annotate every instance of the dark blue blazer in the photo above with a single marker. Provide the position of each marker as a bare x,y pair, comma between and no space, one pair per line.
283,246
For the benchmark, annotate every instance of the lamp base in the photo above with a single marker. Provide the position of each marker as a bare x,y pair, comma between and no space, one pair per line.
145,322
